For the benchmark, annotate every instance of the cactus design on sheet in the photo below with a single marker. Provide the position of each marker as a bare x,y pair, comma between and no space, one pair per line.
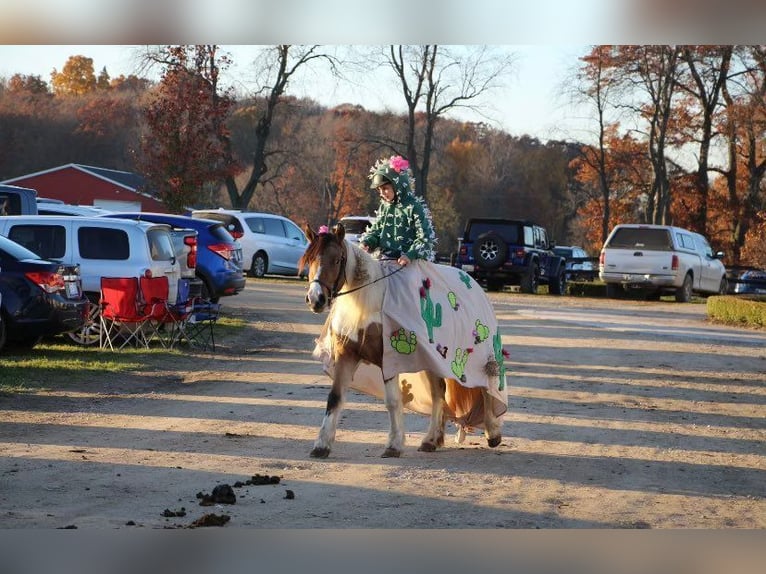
480,333
404,343
459,362
430,312
500,355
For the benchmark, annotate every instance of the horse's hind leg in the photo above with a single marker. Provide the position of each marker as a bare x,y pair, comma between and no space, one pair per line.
344,371
395,444
435,436
492,424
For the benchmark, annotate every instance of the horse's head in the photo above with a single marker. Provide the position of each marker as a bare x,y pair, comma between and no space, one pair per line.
326,259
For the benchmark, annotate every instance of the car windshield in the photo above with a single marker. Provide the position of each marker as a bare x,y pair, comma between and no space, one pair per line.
638,238
563,252
355,225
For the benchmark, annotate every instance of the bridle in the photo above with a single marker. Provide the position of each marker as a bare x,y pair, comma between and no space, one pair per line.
333,292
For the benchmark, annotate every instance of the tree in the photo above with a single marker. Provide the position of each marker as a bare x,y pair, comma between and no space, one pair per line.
434,81
75,79
277,67
185,145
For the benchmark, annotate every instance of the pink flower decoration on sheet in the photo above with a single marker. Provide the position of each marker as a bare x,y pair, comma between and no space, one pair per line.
323,229
398,163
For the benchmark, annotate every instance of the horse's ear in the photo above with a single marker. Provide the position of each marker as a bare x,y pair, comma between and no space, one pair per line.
310,235
339,231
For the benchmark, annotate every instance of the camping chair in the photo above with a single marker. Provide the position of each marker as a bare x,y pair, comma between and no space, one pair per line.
179,312
199,327
159,324
122,318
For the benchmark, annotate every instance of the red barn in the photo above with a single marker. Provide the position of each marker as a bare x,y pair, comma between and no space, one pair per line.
78,184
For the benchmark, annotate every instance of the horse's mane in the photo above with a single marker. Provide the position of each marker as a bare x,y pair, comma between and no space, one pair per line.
359,308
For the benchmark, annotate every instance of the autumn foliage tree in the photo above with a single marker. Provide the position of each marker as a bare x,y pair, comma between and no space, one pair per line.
76,77
184,146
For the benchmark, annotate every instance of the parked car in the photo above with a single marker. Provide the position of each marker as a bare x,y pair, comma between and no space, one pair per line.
498,252
655,259
38,298
15,200
356,225
579,265
102,247
219,256
271,244
742,280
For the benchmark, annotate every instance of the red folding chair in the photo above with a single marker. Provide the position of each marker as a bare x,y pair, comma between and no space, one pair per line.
122,316
159,323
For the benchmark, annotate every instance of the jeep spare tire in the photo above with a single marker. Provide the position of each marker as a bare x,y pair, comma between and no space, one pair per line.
489,250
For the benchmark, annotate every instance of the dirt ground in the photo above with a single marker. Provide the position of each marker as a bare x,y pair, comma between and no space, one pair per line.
622,414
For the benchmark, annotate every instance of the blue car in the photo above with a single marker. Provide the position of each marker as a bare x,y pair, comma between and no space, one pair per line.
219,256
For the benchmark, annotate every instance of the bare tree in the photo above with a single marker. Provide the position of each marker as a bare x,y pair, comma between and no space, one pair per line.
434,81
276,67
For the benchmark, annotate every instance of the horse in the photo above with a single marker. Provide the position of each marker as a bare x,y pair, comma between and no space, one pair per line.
352,284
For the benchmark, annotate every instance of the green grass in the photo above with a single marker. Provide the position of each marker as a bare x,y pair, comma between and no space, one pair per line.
53,364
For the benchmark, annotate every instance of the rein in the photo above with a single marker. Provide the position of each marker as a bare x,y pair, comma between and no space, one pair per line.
334,293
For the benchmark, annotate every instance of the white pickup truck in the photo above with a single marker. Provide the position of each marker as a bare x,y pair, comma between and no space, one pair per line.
658,259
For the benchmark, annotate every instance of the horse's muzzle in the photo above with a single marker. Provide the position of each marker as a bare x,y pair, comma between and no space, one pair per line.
318,304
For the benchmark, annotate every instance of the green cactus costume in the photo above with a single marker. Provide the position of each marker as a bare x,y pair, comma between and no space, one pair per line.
403,226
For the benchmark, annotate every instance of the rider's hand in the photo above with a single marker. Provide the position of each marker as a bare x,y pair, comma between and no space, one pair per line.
403,260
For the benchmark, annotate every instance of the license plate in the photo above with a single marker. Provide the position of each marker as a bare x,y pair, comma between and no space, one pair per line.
72,290
467,268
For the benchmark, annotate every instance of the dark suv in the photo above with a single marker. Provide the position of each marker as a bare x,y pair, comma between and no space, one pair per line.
498,252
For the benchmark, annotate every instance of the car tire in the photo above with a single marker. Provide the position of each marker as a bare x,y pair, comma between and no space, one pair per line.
529,280
494,285
613,291
90,333
259,265
489,250
27,343
559,286
207,293
684,292
723,288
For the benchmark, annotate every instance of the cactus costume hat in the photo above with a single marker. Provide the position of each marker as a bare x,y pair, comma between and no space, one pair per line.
394,170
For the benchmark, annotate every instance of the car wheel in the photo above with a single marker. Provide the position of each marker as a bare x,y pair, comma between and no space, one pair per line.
529,280
494,285
207,293
259,265
558,287
613,291
489,250
90,333
684,292
723,289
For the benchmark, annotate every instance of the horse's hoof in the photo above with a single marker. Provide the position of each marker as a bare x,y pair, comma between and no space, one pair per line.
494,441
391,453
427,447
320,452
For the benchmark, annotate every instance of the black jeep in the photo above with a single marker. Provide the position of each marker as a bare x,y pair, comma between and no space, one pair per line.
499,252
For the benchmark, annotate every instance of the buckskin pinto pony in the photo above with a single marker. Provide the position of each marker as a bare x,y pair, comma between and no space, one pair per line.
353,286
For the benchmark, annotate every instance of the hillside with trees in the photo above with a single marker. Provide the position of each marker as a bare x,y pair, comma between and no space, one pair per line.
678,137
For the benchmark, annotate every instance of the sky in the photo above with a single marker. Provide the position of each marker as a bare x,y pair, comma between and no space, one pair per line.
530,103
547,37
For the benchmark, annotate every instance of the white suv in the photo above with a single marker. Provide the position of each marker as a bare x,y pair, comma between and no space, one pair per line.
270,243
102,247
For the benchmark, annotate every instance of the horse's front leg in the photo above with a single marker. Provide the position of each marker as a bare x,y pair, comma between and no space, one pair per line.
435,436
395,444
344,371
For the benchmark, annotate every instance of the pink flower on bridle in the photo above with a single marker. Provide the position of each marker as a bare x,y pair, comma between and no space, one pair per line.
323,229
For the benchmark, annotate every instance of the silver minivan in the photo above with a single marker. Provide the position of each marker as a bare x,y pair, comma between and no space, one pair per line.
271,244
102,247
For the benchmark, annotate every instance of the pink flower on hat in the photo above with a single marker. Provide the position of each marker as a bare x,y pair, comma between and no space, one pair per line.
398,163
